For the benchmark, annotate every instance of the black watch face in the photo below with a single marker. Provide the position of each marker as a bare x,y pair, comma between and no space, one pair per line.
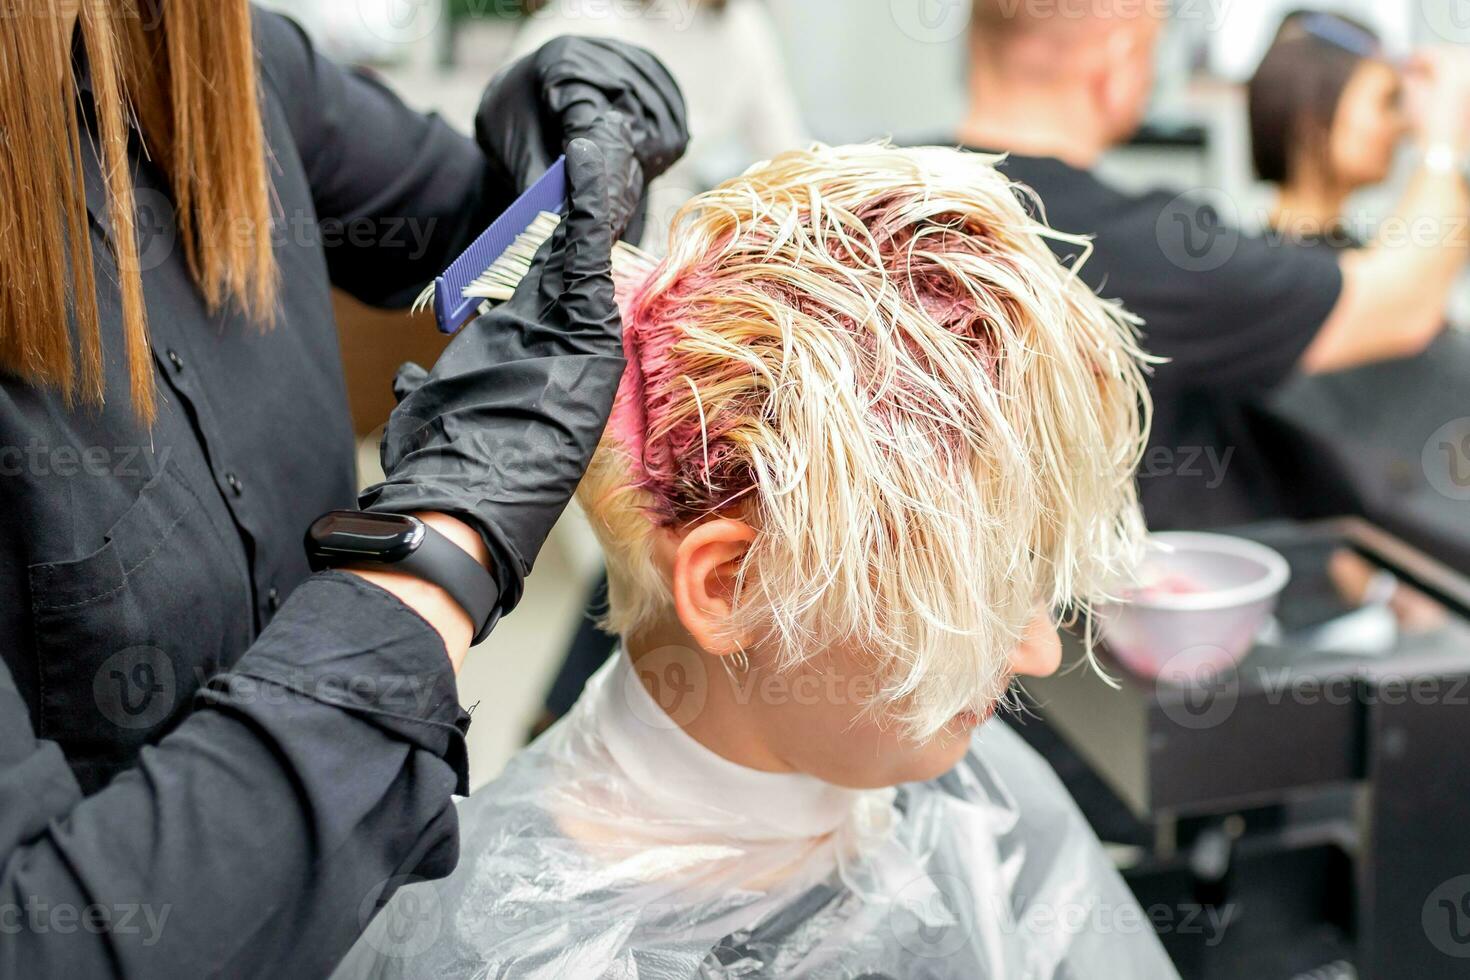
345,536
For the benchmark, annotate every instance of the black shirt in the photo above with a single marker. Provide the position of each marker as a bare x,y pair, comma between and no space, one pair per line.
1233,314
1384,435
187,721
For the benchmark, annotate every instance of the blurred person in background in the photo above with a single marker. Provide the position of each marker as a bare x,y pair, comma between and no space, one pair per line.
1236,315
727,57
1327,117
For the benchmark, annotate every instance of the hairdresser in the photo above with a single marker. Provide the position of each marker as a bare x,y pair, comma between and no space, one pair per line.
1326,120
212,761
1235,315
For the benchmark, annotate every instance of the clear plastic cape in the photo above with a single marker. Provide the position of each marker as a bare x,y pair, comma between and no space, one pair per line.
597,854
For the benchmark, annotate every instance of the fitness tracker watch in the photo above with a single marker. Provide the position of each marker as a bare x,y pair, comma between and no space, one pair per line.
345,538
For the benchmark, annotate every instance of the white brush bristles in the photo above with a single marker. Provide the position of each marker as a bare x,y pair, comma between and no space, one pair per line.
497,283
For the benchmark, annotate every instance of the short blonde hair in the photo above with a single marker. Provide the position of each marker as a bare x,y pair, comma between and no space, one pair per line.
872,355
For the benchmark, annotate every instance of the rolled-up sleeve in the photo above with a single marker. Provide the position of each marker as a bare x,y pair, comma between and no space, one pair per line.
259,837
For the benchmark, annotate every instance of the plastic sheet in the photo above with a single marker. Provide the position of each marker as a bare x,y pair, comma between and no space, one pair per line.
585,861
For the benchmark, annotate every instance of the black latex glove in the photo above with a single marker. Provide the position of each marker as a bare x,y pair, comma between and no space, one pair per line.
499,432
617,95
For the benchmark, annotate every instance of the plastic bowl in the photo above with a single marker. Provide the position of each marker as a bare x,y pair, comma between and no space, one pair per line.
1202,600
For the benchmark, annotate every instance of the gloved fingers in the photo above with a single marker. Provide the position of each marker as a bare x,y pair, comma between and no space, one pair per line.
507,126
408,379
583,75
587,295
624,183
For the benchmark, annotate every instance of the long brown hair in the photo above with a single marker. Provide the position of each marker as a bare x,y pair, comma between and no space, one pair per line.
182,73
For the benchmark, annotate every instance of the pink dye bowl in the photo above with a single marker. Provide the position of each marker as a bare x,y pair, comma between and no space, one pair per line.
1202,602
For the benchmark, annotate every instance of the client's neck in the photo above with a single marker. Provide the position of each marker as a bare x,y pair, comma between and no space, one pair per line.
710,698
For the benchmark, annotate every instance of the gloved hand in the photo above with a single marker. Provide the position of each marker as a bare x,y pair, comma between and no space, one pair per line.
499,432
616,94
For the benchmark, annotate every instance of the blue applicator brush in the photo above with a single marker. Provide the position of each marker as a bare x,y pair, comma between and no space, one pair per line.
500,255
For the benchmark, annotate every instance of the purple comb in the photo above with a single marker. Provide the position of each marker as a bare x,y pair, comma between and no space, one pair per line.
451,306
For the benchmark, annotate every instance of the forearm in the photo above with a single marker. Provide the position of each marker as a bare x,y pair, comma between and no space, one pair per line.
431,602
254,839
1395,292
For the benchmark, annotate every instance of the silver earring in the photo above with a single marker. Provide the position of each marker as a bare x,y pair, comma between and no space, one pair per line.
741,661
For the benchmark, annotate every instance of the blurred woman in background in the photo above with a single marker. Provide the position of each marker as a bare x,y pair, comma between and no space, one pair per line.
1329,111
1326,118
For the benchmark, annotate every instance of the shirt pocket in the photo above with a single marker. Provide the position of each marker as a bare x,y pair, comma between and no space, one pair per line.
125,635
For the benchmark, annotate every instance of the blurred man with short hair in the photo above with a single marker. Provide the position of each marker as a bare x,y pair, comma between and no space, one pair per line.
1056,85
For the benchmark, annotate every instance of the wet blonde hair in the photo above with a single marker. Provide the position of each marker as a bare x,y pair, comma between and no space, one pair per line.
872,356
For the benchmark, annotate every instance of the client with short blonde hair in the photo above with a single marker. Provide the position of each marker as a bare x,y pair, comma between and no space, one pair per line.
872,438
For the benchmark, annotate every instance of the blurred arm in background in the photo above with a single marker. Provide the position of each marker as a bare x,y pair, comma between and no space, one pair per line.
1395,291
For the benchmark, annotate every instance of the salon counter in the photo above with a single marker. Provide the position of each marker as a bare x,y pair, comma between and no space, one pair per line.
1351,768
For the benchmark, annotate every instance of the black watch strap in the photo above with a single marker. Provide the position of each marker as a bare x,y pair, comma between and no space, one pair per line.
447,565
345,538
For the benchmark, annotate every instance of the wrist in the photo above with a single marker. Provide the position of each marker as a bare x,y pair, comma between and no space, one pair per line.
462,534
433,605
435,564
1442,157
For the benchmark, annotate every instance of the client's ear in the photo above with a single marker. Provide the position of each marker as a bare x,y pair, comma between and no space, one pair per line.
705,564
